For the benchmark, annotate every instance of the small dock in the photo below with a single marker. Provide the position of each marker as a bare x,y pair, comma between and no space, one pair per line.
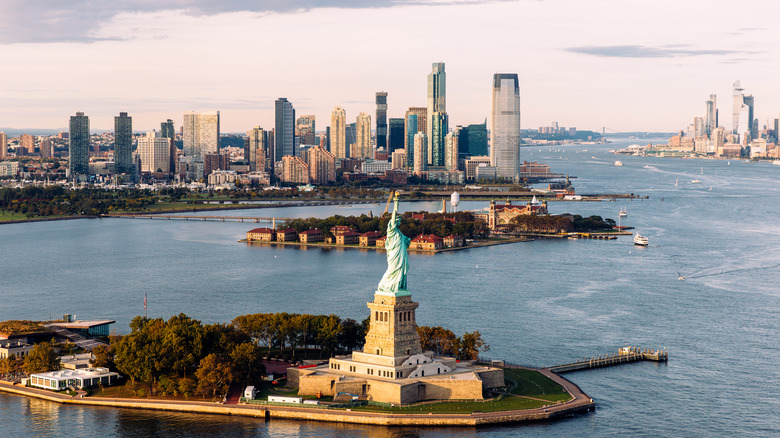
624,355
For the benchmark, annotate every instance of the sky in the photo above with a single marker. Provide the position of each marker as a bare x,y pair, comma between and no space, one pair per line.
620,64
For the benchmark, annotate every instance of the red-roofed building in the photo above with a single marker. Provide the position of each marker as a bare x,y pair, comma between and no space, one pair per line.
347,237
310,236
369,238
380,242
340,229
453,241
262,234
419,217
286,235
427,242
503,214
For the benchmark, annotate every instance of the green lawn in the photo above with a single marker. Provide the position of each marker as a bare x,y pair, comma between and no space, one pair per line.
6,216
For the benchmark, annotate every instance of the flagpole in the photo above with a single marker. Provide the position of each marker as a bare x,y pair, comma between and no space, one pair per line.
145,315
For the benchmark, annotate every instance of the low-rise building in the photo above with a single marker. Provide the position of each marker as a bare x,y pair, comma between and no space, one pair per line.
62,379
261,234
347,238
369,238
427,242
380,242
14,346
454,241
310,236
286,235
77,361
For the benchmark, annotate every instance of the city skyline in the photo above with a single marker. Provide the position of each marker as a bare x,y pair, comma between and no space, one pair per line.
594,65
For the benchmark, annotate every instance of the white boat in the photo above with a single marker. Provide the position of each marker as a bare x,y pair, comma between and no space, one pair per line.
640,240
675,181
618,163
623,212
695,181
776,162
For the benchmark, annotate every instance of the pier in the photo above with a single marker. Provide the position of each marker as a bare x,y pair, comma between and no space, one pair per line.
624,355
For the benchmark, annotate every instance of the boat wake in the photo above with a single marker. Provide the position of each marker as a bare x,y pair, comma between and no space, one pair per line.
711,273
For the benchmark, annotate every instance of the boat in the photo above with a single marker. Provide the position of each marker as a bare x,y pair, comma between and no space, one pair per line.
676,180
695,181
618,163
640,240
623,212
710,189
680,276
776,162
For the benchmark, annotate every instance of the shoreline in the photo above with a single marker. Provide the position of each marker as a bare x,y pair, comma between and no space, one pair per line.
580,403
376,248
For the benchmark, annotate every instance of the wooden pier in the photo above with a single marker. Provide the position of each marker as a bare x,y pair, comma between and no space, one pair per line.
624,355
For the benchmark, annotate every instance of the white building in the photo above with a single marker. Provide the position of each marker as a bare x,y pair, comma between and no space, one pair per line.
420,153
200,134
376,166
9,168
505,126
86,378
155,152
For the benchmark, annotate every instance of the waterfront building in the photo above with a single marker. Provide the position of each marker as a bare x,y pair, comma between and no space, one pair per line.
499,215
711,114
369,238
451,144
338,120
454,241
256,150
427,242
437,102
284,133
505,126
305,129
3,144
200,134
123,143
310,236
381,119
46,148
439,130
78,149
261,234
363,137
420,153
344,235
322,166
154,151
27,143
294,170
395,135
62,379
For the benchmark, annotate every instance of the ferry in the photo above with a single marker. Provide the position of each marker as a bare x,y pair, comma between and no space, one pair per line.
640,240
618,163
623,212
695,181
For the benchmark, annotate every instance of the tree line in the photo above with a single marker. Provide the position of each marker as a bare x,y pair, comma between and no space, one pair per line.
553,224
58,201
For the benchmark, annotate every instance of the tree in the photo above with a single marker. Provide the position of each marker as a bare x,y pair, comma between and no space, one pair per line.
41,359
10,365
470,345
247,363
214,375
104,357
437,339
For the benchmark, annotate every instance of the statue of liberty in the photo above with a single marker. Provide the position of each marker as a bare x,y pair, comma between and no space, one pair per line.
394,280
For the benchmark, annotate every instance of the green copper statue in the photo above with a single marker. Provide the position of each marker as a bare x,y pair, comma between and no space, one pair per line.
394,280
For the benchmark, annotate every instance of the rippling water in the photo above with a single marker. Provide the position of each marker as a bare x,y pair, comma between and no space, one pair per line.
538,303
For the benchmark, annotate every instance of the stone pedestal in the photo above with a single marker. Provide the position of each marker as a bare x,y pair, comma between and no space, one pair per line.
393,331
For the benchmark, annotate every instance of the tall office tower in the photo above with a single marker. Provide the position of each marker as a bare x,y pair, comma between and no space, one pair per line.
698,127
3,144
338,143
420,153
505,126
437,100
711,114
305,129
167,129
78,149
736,108
322,166
777,132
155,152
284,133
418,124
395,135
744,125
256,149
200,134
363,136
46,148
478,139
27,142
350,136
381,120
123,143
451,150
438,133
752,125
294,170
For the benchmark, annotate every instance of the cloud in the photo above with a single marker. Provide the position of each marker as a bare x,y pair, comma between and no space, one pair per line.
634,51
46,21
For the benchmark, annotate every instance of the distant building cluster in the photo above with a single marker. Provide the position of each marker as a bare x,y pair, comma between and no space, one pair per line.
344,235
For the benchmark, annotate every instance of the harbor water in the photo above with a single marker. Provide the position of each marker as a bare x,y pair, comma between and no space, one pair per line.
540,303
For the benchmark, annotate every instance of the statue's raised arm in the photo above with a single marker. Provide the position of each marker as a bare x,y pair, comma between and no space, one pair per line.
394,280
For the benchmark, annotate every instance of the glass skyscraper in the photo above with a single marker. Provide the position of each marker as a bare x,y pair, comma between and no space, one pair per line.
411,130
395,135
123,143
284,134
437,100
381,120
505,126
78,150
438,133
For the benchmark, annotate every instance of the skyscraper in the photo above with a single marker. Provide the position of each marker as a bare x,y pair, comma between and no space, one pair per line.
420,152
46,148
200,135
451,150
123,143
3,144
78,149
437,135
419,124
167,130
437,100
284,134
338,120
478,140
381,120
154,150
305,129
363,136
257,149
505,126
752,126
395,135
322,166
711,115
738,99
27,142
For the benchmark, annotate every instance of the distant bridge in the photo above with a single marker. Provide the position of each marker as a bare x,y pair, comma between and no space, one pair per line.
200,218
